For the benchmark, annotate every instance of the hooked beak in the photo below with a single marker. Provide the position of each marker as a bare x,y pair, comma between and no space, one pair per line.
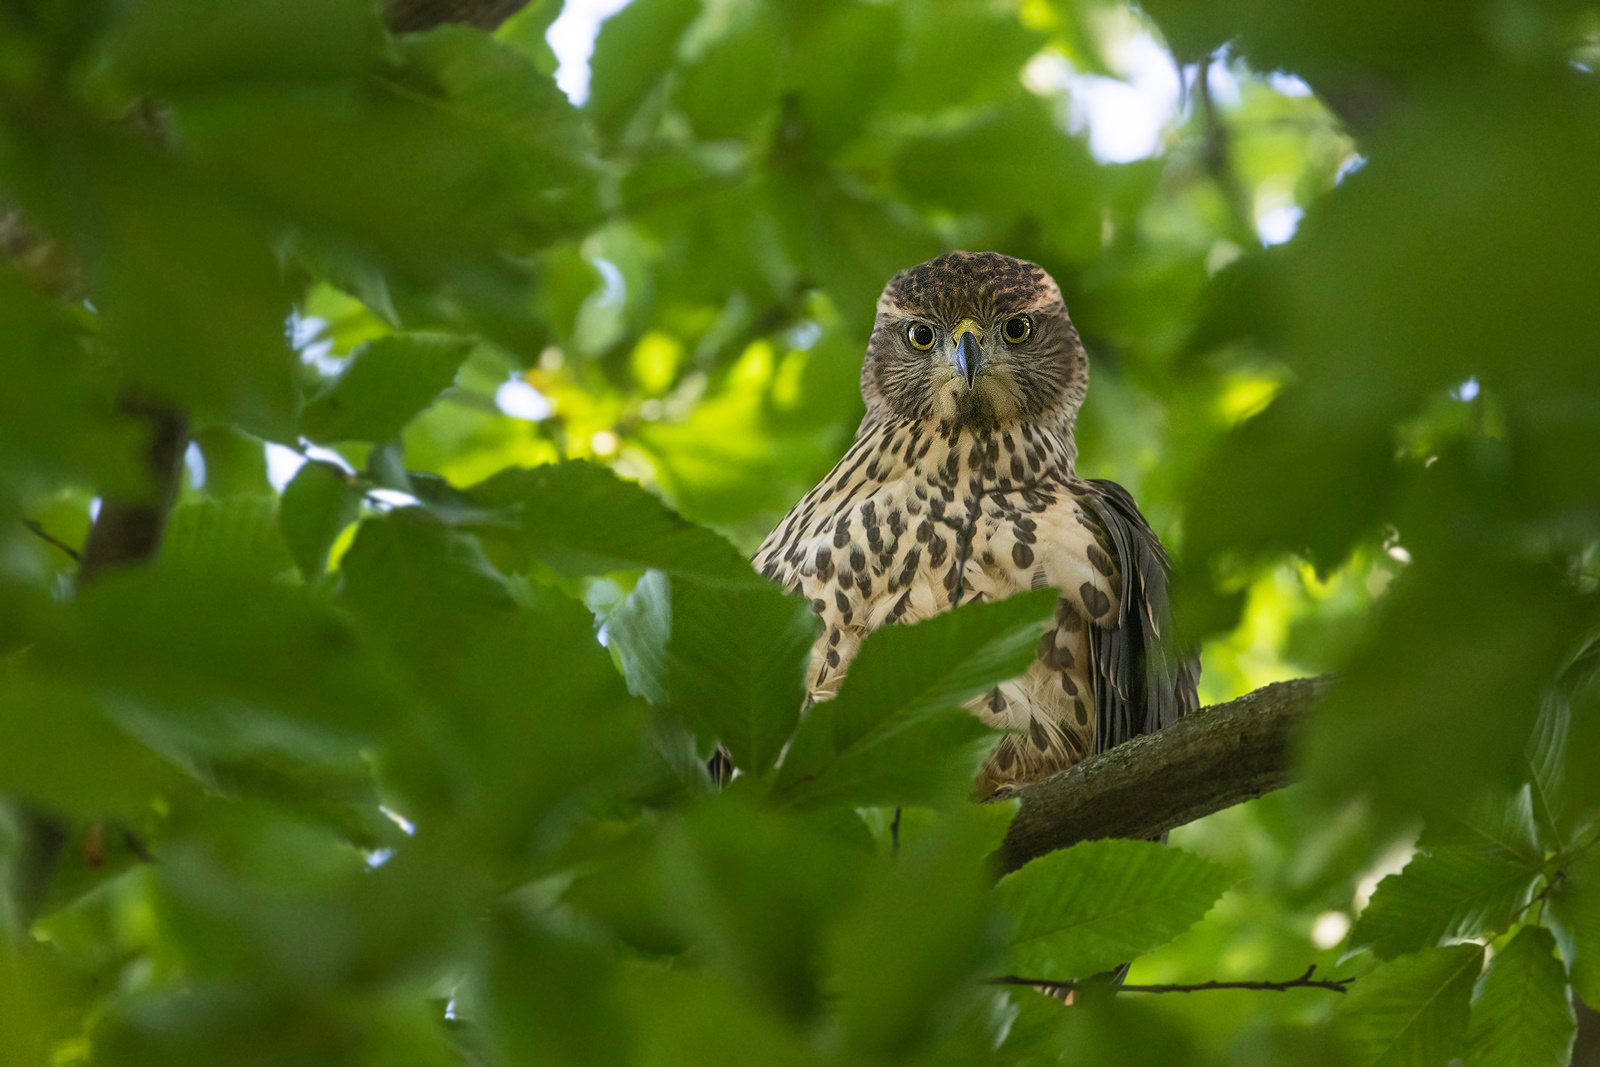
968,358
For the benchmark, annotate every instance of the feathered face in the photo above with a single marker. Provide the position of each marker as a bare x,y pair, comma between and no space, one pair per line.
976,337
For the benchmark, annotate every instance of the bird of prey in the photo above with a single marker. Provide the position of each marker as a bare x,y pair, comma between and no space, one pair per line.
962,486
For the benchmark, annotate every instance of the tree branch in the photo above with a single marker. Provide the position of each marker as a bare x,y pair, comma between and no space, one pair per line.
128,529
1305,981
1218,757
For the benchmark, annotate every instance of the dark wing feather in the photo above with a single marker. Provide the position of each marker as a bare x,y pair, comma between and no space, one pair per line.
1142,682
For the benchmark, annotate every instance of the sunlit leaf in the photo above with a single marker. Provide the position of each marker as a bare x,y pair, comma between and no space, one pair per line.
385,385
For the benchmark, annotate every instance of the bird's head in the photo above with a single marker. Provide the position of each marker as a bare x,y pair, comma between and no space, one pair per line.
977,337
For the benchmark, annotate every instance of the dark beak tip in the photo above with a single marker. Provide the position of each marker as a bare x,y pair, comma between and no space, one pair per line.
968,357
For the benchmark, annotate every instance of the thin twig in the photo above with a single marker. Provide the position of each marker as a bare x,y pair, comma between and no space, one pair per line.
1555,879
1305,981
49,538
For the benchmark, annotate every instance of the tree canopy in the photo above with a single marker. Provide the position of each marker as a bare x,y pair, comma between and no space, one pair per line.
383,436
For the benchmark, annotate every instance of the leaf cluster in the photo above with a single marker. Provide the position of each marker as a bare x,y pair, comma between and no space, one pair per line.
397,751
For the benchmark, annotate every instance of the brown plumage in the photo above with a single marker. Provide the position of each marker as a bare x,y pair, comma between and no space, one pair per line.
962,486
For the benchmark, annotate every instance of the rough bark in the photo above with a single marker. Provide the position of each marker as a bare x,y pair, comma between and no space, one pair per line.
1217,757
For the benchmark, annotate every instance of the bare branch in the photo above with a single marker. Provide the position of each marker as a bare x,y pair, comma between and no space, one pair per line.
1218,757
1305,981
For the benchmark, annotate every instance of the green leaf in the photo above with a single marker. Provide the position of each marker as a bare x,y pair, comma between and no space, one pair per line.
524,711
216,657
317,505
1575,918
1463,883
757,891
533,129
1099,904
1522,1014
57,418
731,662
689,1018
550,997
162,45
990,46
1546,759
631,55
62,751
733,82
907,956
390,192
418,580
581,519
386,384
232,533
234,462
840,70
187,283
1048,178
495,84
1411,1011
897,732
1127,1031
234,879
1421,719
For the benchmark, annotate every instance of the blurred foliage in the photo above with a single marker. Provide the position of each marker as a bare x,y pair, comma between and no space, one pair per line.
397,753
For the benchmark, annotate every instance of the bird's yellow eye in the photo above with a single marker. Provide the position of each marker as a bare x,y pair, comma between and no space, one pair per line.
921,336
1018,328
